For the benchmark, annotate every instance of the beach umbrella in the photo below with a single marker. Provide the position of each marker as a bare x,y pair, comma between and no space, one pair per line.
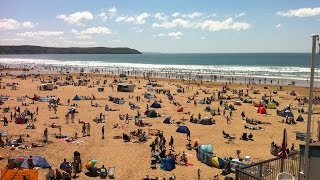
283,153
90,164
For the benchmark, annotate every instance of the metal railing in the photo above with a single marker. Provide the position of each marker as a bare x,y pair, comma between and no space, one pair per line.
269,169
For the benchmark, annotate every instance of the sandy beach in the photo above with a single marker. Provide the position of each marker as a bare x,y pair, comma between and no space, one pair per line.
132,160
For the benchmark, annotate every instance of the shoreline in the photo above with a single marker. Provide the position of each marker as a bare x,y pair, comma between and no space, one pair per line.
183,76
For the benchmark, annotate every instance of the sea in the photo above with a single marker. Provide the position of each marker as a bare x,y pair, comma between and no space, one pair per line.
259,68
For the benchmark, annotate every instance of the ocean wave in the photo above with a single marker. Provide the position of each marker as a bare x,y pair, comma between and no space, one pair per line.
299,73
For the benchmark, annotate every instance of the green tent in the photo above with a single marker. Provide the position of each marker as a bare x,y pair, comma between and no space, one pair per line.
271,106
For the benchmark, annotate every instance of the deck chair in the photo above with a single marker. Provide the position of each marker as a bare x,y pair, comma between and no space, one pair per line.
4,133
111,171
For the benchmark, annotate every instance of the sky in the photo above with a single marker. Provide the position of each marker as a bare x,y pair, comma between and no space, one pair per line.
167,26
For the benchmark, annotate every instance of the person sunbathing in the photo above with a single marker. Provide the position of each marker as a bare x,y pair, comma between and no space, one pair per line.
30,126
125,137
34,145
225,135
73,138
54,125
184,158
189,146
19,140
143,138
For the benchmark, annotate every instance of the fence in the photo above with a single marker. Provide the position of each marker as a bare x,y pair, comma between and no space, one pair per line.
269,169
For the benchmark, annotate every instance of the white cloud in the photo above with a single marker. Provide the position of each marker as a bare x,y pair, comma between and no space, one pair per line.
11,24
112,10
210,16
140,19
96,30
228,24
130,19
28,24
204,25
161,16
40,34
203,38
83,37
192,15
302,12
11,41
278,25
161,35
241,14
86,34
174,23
176,14
174,35
66,43
108,14
74,31
120,19
78,18
103,16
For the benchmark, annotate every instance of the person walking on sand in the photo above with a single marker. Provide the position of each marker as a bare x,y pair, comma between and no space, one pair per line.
199,173
72,117
67,118
171,143
188,136
84,130
45,135
88,129
102,132
228,120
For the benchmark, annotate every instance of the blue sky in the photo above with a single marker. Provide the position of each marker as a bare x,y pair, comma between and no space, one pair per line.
163,25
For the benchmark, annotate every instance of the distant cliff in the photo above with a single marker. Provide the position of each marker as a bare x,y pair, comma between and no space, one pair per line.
70,50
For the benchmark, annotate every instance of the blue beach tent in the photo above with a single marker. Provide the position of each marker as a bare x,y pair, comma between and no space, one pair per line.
38,161
183,129
168,163
167,120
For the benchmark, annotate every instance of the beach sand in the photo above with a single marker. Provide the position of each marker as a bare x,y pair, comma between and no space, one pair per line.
132,160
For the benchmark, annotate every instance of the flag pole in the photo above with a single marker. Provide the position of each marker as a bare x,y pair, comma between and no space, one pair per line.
306,149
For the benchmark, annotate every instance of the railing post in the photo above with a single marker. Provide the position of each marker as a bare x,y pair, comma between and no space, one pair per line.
260,170
237,174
